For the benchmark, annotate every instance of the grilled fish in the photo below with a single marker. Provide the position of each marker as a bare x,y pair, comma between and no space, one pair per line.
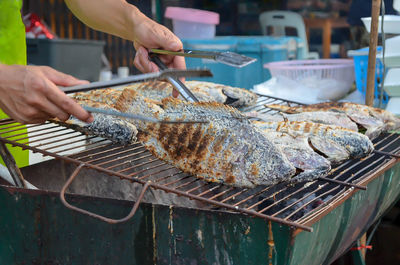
374,120
227,149
343,143
204,91
234,96
108,96
324,117
298,151
106,126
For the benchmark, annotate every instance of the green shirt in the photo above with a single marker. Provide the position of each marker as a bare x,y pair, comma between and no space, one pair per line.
13,51
12,33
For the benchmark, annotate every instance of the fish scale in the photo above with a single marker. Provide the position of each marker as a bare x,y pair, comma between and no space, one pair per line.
356,144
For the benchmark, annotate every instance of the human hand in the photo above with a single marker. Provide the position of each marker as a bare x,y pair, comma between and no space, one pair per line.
149,34
29,94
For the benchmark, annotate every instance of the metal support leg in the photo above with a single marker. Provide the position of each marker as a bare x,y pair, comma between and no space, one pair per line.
357,255
362,244
12,166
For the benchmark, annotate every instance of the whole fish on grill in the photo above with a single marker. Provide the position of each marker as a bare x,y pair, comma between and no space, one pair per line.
373,119
228,149
106,126
204,91
334,142
324,117
234,96
298,151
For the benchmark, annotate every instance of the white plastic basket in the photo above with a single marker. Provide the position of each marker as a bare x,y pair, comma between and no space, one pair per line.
333,78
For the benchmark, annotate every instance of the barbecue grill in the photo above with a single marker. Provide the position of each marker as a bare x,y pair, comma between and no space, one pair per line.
174,218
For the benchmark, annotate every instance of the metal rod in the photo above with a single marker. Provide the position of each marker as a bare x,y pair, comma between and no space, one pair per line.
397,156
9,160
165,73
102,218
343,183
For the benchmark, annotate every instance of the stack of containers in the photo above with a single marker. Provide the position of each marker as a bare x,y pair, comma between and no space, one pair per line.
391,25
360,57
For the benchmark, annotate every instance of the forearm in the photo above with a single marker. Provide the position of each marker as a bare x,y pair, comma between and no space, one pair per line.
116,17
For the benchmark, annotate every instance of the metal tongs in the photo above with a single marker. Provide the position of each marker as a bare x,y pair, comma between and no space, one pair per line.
164,74
176,83
229,58
136,116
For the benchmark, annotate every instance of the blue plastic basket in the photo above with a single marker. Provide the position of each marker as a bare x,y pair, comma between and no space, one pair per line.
361,67
264,48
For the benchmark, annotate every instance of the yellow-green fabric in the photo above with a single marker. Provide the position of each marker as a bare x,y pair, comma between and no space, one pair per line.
12,51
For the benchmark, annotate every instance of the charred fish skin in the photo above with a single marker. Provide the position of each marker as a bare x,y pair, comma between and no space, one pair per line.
237,97
375,120
324,117
237,144
310,164
106,126
357,144
227,149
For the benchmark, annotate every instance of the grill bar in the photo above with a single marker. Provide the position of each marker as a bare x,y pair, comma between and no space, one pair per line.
294,205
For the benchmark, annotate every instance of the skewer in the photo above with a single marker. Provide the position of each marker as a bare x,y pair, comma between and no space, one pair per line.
387,154
343,183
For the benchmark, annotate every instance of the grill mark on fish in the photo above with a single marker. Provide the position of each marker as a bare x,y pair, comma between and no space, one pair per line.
201,148
183,139
193,144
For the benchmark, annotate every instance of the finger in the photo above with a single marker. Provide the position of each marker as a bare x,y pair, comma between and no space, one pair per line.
175,93
61,79
168,40
26,114
66,104
53,111
142,61
179,62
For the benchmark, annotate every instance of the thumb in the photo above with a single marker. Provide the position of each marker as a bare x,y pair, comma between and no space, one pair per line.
170,41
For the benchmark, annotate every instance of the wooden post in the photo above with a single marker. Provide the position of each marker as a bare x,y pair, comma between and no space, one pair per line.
373,41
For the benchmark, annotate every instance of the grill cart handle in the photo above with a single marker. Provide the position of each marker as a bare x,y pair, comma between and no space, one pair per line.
102,218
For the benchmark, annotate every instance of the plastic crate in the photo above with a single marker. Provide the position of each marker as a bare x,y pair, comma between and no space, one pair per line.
79,58
264,48
361,67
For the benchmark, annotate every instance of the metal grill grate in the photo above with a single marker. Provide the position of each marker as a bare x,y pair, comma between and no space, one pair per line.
296,205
